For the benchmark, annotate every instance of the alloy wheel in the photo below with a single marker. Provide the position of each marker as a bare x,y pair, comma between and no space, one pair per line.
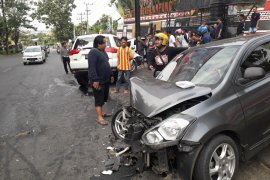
222,163
120,125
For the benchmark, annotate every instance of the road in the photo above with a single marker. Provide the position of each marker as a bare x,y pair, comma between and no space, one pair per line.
48,128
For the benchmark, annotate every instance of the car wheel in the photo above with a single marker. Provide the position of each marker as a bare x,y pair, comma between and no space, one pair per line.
119,125
133,66
24,63
218,160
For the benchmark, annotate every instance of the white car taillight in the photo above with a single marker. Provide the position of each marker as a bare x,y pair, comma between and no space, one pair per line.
75,51
111,50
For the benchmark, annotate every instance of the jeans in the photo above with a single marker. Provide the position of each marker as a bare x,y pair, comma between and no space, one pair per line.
126,75
66,61
252,29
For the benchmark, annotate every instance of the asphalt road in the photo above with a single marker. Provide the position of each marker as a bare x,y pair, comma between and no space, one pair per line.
48,128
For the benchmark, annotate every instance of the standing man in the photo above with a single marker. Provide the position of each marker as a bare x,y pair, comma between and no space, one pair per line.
150,44
219,29
64,52
124,55
254,20
172,41
163,53
241,25
99,75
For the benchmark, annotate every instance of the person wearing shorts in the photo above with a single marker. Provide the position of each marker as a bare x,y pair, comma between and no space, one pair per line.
100,75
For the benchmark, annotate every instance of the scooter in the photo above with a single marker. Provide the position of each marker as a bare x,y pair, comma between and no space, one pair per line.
136,61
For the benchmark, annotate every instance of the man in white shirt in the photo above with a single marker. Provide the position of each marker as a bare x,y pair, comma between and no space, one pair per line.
172,41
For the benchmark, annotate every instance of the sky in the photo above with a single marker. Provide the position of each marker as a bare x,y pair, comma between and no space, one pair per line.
96,7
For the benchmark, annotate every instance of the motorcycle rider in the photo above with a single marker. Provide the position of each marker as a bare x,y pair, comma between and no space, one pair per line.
163,53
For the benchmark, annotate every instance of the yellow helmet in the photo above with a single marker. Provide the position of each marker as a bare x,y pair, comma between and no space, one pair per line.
164,37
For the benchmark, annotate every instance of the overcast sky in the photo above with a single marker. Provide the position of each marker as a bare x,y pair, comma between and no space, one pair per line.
97,7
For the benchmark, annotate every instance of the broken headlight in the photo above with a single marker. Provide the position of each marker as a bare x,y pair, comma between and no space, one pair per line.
169,130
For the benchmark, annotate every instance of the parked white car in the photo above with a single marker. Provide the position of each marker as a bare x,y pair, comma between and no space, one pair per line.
81,47
33,54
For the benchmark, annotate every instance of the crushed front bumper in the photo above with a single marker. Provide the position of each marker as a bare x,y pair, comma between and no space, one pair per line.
180,158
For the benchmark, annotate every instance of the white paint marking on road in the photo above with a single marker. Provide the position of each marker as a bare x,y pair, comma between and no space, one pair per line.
59,82
49,91
6,70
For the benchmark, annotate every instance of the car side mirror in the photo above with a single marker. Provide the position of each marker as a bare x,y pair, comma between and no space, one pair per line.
252,73
156,73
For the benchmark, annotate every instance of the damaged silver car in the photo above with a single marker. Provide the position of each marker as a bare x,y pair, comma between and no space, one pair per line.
204,112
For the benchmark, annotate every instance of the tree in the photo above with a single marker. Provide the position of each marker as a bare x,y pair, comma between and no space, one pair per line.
81,28
57,13
18,18
102,24
115,25
2,30
14,17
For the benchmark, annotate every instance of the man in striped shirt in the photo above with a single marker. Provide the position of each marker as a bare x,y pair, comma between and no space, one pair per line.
124,54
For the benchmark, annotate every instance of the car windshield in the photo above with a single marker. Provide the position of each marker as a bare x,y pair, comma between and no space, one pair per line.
87,42
32,49
204,66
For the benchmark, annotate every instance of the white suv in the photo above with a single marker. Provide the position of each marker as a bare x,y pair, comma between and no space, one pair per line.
79,55
82,46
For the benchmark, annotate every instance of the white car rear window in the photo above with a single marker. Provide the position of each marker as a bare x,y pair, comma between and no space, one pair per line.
87,42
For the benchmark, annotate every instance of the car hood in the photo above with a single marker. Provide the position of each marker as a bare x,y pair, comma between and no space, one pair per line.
152,96
29,54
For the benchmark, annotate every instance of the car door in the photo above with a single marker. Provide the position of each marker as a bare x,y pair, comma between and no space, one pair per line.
255,95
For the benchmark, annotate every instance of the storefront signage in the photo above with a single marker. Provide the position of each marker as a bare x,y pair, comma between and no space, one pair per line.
157,17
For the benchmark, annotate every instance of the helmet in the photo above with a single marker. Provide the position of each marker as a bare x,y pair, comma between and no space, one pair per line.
202,30
164,37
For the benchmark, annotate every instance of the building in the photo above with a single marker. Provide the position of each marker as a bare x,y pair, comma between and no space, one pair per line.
190,14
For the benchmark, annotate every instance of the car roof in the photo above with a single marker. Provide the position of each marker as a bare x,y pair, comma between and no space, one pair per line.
93,35
33,47
240,40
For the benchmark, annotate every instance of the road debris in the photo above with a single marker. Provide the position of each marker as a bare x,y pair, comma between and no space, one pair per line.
122,152
108,172
22,134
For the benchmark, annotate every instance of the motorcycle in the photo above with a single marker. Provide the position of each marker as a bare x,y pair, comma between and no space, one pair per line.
136,61
58,50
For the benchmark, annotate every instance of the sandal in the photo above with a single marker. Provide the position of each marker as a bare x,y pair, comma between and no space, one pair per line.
106,115
102,122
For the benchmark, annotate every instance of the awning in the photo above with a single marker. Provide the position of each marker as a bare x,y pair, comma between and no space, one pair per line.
199,4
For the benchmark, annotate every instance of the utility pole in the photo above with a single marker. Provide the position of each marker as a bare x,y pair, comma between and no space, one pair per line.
81,19
87,13
137,21
81,16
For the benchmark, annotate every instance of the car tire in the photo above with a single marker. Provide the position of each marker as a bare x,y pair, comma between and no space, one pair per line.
118,126
211,157
133,66
24,63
